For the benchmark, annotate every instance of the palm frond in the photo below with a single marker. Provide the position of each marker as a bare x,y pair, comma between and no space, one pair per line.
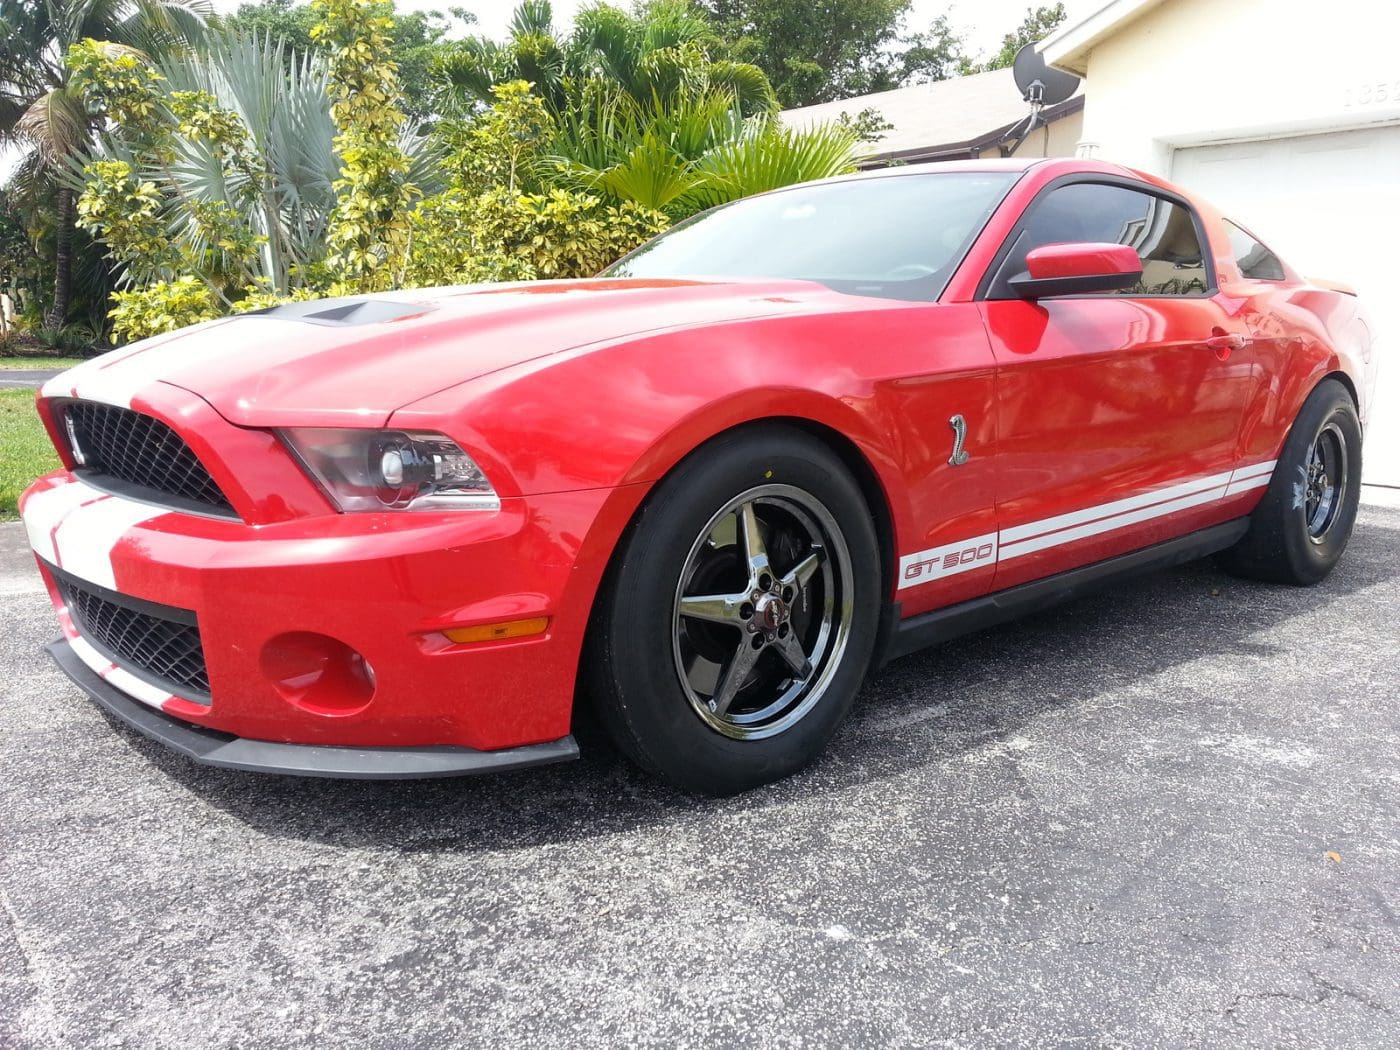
55,124
749,84
768,156
532,17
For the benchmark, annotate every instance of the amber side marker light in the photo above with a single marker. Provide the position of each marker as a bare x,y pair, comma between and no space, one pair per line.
495,632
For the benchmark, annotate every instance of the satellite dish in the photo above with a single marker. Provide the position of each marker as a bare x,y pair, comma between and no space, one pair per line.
1040,84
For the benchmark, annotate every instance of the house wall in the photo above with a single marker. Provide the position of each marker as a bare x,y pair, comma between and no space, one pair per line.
1061,138
1285,114
1190,72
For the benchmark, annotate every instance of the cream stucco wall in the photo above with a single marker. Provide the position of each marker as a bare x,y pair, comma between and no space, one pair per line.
1059,139
1189,72
1062,137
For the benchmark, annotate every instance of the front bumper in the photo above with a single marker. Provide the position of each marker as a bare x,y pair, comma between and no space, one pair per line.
383,586
212,748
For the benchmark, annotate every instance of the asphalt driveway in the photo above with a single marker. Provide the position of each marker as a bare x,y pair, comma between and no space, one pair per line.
1166,815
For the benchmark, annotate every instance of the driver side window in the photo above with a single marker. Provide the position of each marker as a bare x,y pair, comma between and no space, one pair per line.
1162,232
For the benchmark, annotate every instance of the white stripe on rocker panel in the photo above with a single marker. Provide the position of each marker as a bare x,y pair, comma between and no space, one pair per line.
1108,510
937,563
1095,528
927,566
1267,467
1254,476
1257,482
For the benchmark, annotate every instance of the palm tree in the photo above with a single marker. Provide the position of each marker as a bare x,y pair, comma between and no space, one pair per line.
683,155
659,52
284,194
40,110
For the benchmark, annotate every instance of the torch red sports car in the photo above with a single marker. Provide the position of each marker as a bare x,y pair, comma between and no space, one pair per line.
706,492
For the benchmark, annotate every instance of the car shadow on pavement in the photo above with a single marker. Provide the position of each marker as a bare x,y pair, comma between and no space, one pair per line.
1174,636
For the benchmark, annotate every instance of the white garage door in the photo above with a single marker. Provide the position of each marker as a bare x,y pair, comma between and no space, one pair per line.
1330,205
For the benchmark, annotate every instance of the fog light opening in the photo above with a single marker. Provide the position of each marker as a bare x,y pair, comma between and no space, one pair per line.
317,673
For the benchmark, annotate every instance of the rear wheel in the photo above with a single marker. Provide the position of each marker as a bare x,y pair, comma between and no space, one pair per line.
1302,525
740,616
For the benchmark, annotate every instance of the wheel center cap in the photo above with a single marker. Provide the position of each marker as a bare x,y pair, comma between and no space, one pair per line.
771,612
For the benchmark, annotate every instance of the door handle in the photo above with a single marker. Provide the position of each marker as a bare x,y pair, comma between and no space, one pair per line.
1223,344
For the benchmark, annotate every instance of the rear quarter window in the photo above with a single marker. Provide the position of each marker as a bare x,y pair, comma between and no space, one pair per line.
1255,260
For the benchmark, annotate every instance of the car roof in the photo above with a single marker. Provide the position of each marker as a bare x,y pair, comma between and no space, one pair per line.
1053,167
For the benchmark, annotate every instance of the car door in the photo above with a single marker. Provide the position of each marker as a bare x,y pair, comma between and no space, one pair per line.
1118,414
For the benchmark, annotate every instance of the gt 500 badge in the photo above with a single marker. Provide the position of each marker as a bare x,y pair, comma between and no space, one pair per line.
939,562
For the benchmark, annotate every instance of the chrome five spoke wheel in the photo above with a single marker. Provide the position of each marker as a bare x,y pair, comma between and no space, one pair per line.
762,612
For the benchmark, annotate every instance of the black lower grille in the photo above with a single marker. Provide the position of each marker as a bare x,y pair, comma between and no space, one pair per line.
140,454
157,643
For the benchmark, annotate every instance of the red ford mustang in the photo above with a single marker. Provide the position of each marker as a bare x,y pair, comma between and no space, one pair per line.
793,438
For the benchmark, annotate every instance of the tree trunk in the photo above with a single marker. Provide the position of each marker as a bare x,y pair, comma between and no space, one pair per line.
63,261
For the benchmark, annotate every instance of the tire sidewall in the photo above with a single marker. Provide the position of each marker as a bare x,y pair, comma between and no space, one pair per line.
1311,560
647,694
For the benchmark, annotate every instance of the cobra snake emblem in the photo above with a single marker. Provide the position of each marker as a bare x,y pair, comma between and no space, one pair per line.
960,455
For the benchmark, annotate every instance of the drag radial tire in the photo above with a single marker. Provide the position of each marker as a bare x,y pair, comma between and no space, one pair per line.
1301,526
739,614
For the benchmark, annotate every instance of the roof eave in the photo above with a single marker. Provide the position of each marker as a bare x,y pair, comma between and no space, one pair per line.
1069,47
965,150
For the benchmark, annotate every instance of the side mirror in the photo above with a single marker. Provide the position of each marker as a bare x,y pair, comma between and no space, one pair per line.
1076,269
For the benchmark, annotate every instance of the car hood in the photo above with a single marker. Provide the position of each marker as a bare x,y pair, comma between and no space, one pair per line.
354,361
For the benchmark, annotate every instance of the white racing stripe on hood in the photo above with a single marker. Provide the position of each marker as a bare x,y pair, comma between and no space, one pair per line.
136,367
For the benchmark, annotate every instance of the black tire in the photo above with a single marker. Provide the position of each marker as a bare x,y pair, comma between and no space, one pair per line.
643,651
1294,537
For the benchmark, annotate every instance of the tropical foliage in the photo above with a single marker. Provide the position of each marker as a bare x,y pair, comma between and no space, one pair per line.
220,166
417,38
1036,26
368,233
178,167
637,109
42,111
665,50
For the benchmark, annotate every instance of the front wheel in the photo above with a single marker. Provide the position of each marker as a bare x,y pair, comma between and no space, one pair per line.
1301,526
739,619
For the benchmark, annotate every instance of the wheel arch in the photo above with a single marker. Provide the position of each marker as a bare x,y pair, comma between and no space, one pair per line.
868,477
1347,382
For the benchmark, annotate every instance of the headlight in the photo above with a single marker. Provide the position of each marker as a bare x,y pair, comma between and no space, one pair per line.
392,469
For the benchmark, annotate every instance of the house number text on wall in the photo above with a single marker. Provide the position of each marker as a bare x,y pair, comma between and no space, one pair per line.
1371,93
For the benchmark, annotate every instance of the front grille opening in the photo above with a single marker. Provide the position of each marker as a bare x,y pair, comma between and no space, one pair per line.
137,455
158,644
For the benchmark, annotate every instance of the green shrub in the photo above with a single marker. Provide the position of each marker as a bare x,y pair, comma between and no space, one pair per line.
161,307
76,339
462,238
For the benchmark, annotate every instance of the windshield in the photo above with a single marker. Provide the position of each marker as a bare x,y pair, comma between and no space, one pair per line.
898,238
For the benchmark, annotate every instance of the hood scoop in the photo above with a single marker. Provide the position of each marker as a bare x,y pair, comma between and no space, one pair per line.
344,313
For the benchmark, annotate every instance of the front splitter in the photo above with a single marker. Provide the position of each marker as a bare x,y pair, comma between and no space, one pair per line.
213,748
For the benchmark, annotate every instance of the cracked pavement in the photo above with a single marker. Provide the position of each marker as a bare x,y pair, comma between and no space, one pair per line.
1106,824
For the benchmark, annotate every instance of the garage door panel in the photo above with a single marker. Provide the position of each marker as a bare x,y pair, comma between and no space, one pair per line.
1330,205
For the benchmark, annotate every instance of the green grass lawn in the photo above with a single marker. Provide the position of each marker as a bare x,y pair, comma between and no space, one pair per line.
39,362
25,451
